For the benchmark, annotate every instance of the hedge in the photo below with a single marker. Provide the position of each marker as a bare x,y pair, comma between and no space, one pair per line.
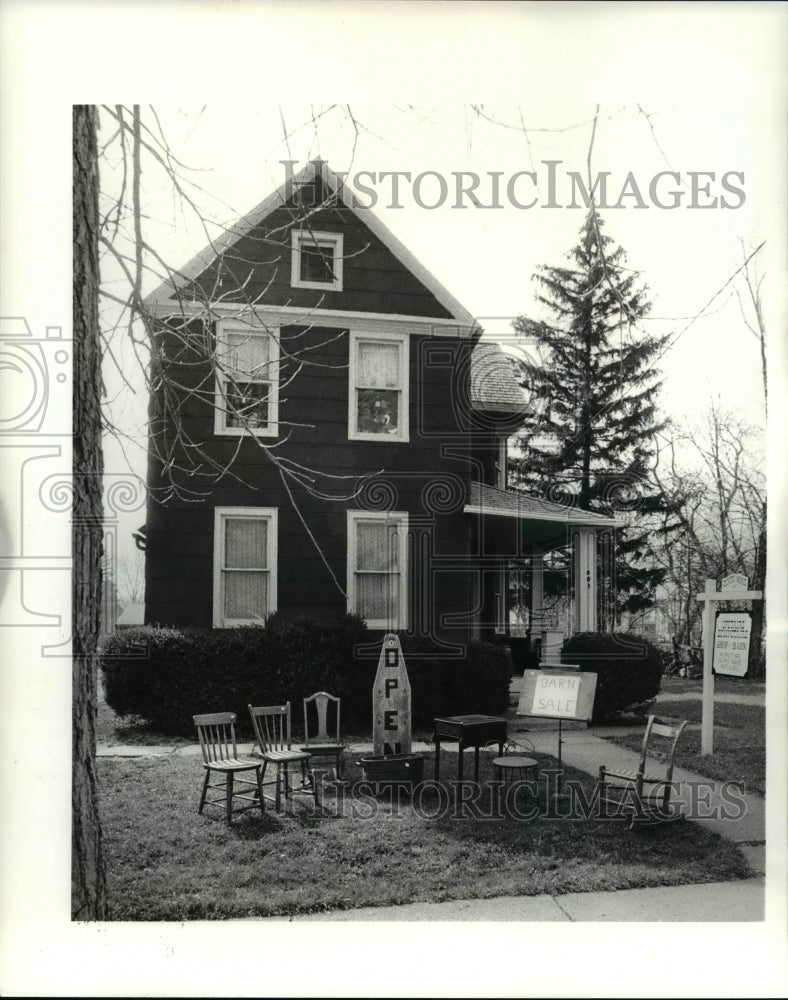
628,668
166,675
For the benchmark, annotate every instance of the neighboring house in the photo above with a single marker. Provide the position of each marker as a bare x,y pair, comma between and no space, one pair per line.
132,614
331,347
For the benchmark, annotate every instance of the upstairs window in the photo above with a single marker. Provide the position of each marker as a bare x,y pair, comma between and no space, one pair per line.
316,260
244,565
378,568
247,380
378,404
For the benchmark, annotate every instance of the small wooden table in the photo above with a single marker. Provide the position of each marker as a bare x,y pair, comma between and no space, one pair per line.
513,767
469,731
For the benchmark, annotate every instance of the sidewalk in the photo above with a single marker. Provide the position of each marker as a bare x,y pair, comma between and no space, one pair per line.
721,902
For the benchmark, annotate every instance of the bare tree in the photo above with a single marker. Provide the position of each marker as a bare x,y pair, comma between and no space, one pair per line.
131,581
719,486
751,306
109,236
89,900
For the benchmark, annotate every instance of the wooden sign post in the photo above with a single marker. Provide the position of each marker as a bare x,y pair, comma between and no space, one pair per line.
734,588
391,701
558,691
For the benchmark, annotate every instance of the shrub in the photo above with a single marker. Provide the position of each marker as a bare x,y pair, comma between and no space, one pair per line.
628,668
166,675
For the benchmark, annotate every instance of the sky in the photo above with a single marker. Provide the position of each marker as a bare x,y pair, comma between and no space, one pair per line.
704,157
712,77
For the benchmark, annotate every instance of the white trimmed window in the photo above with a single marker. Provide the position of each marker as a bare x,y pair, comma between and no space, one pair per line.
378,568
247,380
244,565
316,260
378,397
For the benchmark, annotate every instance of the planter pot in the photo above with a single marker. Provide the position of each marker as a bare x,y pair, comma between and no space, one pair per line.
403,770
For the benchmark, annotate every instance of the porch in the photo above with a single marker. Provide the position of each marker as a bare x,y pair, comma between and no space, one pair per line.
516,540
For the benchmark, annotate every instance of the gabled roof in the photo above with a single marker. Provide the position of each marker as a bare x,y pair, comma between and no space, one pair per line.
344,194
492,501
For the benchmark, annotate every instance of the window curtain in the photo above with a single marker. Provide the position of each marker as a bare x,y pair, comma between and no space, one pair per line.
248,354
245,573
378,365
377,570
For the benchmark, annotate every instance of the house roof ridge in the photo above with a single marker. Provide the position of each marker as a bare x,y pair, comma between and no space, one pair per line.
278,199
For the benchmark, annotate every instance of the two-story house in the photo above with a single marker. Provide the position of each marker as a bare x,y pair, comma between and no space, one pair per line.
328,433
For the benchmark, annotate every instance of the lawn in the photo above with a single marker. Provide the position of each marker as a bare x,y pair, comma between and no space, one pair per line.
167,863
722,685
739,741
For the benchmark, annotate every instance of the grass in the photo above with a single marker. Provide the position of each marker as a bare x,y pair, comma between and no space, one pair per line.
167,863
739,741
722,684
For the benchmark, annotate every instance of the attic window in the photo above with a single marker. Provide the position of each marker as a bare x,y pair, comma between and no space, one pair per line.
316,260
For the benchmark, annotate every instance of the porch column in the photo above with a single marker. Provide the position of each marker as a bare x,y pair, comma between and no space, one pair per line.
537,589
584,572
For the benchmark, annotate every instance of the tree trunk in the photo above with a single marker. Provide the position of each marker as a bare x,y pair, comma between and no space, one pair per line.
757,663
89,900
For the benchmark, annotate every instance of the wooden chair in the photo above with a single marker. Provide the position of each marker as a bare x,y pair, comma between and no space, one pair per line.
645,796
323,743
274,741
216,732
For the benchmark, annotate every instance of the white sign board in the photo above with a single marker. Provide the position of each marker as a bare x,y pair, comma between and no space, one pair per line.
556,696
736,581
732,643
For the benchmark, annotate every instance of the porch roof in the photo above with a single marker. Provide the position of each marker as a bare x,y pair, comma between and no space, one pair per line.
493,502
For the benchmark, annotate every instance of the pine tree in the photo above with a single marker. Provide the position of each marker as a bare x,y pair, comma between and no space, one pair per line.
590,439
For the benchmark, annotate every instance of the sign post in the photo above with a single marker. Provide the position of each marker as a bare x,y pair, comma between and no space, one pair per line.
734,588
558,691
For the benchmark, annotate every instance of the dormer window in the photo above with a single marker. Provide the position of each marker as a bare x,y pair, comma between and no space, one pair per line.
316,260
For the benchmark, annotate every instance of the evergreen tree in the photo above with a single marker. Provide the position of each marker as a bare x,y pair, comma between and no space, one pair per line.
590,439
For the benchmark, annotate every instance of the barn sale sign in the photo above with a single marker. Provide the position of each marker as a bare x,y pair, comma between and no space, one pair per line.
558,693
556,696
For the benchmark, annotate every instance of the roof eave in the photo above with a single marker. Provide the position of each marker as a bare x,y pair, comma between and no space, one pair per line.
595,522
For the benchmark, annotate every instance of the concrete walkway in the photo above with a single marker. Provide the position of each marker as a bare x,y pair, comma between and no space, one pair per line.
720,902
